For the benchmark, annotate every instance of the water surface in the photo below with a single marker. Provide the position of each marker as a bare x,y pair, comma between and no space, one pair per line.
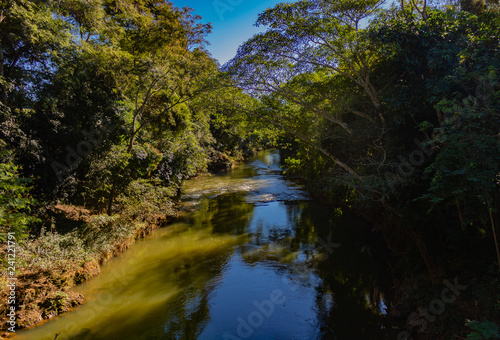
251,257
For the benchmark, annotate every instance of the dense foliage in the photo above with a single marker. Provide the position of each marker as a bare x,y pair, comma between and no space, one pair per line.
389,109
105,108
392,110
101,99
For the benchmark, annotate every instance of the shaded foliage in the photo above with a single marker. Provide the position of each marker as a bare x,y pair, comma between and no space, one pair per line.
392,111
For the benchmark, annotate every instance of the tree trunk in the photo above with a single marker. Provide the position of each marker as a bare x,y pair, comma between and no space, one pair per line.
133,132
112,193
494,236
131,143
111,198
439,116
460,215
424,253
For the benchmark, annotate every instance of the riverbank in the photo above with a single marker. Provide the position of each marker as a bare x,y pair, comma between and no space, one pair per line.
412,291
242,235
78,243
72,253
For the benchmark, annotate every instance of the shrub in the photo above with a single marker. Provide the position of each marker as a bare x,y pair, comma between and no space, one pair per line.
53,251
146,201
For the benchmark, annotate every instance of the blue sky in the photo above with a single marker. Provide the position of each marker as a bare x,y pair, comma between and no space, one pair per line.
232,21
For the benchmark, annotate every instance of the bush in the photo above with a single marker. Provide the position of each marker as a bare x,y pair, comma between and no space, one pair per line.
146,201
52,251
102,232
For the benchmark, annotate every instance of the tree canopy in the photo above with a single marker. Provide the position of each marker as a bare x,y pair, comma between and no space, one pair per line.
400,102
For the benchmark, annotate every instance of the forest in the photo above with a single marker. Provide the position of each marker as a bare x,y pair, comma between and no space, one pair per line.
388,110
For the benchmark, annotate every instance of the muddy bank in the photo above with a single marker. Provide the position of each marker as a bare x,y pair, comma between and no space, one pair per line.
46,273
43,291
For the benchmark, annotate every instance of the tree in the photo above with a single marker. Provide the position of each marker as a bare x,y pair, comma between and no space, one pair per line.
15,201
309,36
368,97
327,41
162,63
29,33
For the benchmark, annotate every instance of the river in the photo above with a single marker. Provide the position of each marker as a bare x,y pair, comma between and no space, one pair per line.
250,257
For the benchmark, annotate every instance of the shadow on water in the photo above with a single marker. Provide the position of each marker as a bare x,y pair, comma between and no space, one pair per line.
249,258
349,260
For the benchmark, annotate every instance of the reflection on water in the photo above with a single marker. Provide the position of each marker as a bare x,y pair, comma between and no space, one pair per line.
251,257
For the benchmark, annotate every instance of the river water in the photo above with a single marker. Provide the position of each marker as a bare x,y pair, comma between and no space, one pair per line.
251,257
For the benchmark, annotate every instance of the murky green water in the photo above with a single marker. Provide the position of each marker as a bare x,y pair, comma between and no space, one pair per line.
250,258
